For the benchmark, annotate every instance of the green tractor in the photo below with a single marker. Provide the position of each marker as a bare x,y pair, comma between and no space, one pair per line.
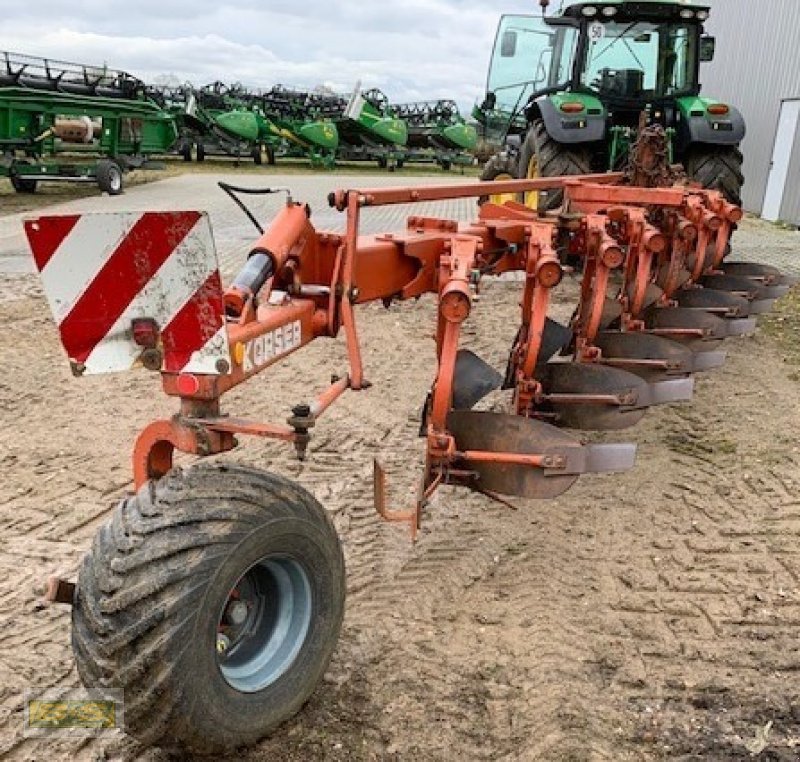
581,80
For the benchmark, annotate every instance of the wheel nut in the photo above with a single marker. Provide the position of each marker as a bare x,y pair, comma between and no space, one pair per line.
223,643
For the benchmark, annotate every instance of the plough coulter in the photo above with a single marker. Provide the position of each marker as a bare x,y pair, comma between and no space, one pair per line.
214,596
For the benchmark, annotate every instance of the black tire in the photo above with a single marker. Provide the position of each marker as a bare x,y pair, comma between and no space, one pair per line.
162,576
270,155
447,165
23,184
186,151
552,159
200,153
109,177
501,165
383,162
717,168
257,157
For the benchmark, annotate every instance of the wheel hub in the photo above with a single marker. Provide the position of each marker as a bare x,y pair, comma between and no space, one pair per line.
263,624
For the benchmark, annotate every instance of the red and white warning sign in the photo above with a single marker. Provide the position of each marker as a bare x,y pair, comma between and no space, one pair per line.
100,272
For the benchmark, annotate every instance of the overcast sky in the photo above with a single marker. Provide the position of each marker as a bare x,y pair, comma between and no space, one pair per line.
413,49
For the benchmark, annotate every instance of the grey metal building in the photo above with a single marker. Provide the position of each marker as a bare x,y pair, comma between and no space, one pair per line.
757,69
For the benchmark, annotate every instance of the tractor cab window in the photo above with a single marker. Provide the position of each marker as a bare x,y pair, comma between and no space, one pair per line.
529,55
640,60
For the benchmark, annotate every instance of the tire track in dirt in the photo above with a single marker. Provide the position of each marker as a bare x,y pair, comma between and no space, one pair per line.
710,615
621,621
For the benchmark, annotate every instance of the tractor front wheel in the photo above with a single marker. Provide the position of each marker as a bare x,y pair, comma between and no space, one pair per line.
717,168
213,600
541,156
501,166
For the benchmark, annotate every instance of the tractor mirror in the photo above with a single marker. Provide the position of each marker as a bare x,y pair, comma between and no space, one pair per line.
708,46
508,44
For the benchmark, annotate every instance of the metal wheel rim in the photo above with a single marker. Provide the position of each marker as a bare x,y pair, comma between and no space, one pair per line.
501,198
115,179
532,197
255,653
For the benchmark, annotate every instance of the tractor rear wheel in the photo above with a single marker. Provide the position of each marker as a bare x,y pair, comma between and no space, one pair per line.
717,168
541,156
213,600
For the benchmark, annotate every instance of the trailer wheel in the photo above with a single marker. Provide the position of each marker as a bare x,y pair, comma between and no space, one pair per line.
447,165
270,155
186,150
717,168
109,177
23,184
213,599
200,152
541,156
258,159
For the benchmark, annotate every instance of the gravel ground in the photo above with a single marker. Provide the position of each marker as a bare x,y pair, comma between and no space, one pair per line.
650,615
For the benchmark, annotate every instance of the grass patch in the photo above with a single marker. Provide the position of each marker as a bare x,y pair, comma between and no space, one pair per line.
783,325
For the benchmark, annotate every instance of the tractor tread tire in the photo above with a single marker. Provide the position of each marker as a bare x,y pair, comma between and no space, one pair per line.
717,168
554,160
503,163
144,620
500,164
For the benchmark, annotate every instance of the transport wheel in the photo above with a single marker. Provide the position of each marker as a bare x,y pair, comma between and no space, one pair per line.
23,184
501,166
270,155
186,151
541,156
109,177
213,599
383,162
257,157
717,168
200,153
447,165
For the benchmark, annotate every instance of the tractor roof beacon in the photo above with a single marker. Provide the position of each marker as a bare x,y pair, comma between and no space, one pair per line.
573,86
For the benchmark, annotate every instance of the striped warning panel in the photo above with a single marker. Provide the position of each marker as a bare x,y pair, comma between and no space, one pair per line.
100,272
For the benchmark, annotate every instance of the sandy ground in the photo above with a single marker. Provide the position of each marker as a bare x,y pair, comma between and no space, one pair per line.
649,615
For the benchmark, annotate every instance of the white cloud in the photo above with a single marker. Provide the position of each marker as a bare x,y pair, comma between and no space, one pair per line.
417,49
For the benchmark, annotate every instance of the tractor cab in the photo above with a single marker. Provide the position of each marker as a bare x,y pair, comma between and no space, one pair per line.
581,79
633,54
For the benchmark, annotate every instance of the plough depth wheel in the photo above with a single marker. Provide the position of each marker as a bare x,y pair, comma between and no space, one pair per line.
213,599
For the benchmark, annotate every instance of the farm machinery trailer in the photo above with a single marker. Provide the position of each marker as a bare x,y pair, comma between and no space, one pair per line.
437,133
369,129
75,123
214,596
573,86
218,119
303,121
